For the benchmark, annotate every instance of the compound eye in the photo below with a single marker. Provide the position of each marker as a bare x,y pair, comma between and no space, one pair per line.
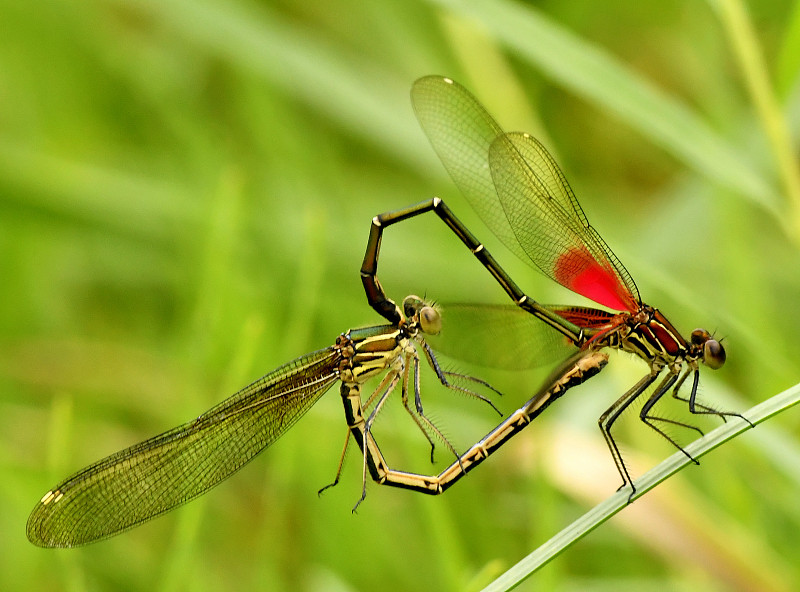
430,320
411,304
700,336
713,354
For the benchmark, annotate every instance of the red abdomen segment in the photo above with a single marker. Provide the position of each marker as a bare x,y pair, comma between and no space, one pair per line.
585,317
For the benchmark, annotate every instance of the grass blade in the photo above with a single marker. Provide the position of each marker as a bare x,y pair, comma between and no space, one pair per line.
605,510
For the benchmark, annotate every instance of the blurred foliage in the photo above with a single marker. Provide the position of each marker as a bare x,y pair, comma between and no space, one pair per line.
185,196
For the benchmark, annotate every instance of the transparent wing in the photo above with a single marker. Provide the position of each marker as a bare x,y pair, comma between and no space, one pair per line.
520,193
550,225
154,476
461,132
473,331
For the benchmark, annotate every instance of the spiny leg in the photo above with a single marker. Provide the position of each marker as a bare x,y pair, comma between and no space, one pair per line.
383,385
699,409
419,416
442,376
341,464
694,407
607,419
649,419
379,389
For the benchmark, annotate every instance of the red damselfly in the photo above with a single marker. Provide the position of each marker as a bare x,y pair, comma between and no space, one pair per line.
522,195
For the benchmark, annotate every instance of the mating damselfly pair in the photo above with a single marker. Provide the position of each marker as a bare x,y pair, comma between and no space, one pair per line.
523,197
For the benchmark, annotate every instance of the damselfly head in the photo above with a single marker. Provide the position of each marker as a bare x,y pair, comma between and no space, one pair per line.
712,350
427,317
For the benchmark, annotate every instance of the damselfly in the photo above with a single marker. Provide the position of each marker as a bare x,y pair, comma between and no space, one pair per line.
155,476
519,191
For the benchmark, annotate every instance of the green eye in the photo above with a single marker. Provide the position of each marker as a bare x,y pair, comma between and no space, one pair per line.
430,321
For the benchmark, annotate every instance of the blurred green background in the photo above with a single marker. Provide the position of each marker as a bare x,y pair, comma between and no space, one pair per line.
185,196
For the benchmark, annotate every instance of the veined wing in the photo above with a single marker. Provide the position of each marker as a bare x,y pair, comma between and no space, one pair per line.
154,476
461,132
474,330
550,225
538,217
